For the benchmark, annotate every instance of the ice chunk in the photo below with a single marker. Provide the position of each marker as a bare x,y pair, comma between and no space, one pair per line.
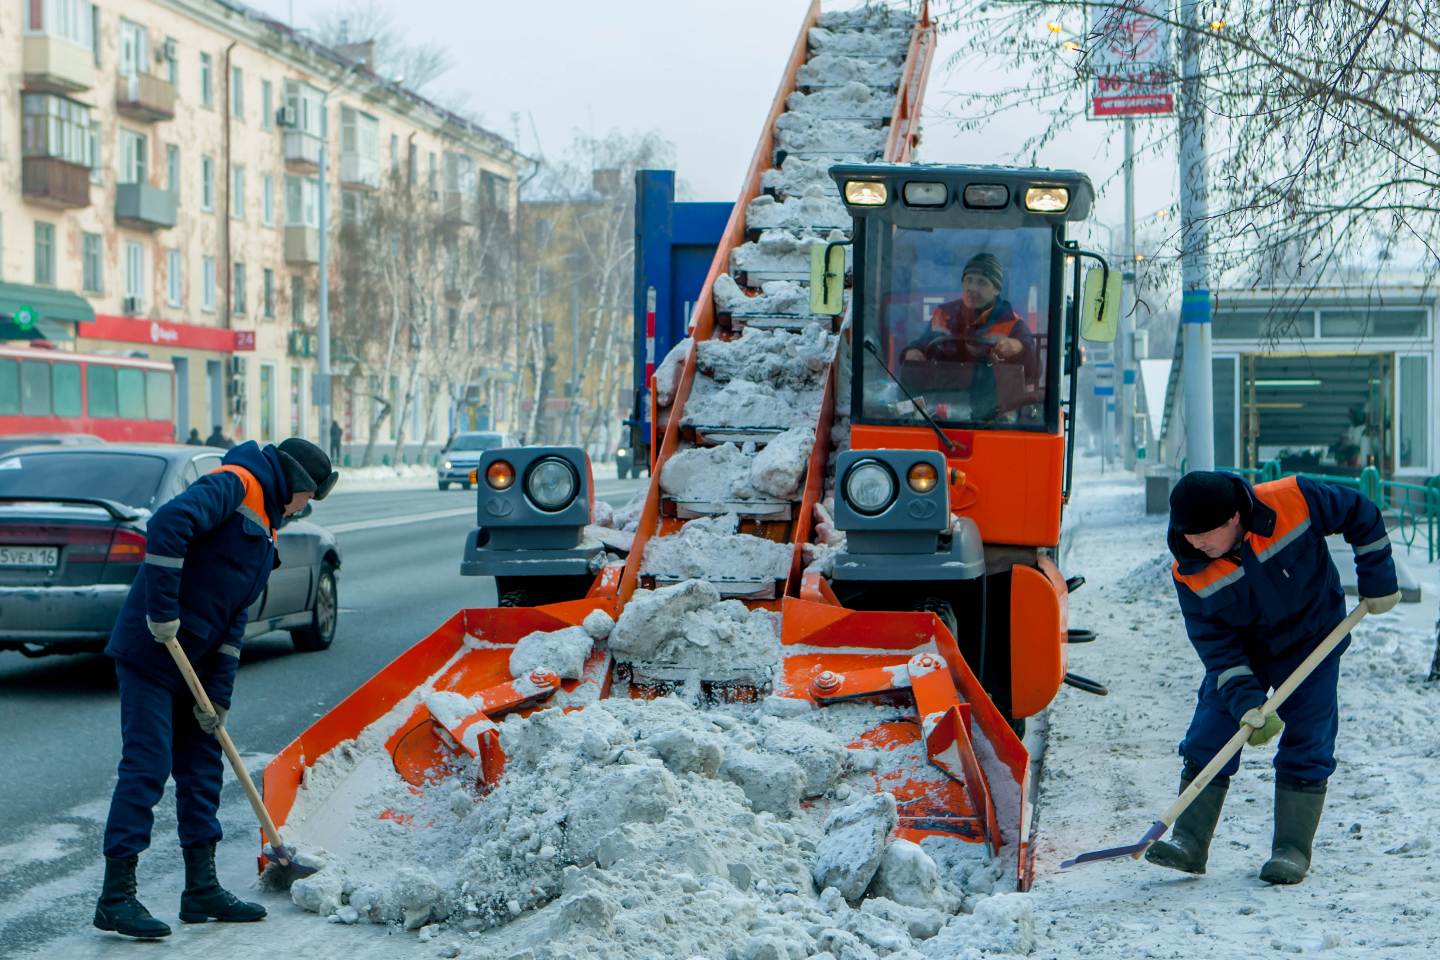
741,403
779,469
624,794
814,209
653,622
868,43
604,515
796,176
779,358
588,912
667,372
598,624
786,707
783,251
852,99
561,652
920,922
770,783
689,751
684,625
828,70
713,474
908,876
854,842
820,754
1003,923
803,133
320,892
702,551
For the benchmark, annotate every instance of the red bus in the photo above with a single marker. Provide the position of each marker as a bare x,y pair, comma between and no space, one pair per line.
114,398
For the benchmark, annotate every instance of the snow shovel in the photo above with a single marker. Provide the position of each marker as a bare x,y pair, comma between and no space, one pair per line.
1158,828
276,853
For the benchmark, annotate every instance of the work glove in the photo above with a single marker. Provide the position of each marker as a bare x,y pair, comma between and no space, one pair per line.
210,722
1267,726
1381,604
164,630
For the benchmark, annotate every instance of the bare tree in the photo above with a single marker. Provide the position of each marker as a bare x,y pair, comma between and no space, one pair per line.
1323,131
363,21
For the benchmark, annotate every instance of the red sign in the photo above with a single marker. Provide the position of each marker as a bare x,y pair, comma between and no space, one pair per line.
157,333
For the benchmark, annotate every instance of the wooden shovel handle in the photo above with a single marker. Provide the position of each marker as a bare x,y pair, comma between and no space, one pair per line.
1270,706
233,755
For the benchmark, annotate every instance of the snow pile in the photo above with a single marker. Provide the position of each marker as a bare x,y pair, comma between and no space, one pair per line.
805,133
860,43
781,251
828,70
779,468
850,100
709,474
1151,580
741,403
688,625
709,548
382,477
866,17
561,652
813,210
667,373
796,175
776,357
627,518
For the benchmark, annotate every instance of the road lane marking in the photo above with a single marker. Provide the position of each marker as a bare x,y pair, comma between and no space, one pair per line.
395,521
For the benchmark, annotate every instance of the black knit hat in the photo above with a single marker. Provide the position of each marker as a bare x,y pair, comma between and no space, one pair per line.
1202,501
988,266
307,467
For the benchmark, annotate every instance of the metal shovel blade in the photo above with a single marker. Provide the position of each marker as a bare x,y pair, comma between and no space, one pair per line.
1156,831
284,859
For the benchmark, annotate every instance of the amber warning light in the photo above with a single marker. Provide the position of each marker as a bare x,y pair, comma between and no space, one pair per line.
500,475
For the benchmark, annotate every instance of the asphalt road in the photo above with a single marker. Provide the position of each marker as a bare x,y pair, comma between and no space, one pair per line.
59,716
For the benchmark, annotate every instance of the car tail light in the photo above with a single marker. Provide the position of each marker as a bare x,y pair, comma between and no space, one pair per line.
127,547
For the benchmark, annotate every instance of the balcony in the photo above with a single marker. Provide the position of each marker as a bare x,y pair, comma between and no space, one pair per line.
144,207
302,245
302,151
58,66
52,182
145,98
461,207
357,172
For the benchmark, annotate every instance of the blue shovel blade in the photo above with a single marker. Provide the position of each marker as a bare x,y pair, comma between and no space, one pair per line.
1156,831
282,857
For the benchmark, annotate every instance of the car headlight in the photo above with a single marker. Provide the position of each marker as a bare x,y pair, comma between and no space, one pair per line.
552,484
448,464
869,487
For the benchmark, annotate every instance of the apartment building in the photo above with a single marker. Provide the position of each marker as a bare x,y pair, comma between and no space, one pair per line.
160,191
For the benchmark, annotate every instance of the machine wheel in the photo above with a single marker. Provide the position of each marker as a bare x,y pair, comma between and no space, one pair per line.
517,598
1018,726
943,610
323,618
444,484
464,484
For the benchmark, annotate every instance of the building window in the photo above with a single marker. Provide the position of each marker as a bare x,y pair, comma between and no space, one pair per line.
172,63
207,184
237,191
305,100
297,419
174,290
94,32
494,191
267,403
172,168
238,302
394,154
134,270
97,170
302,201
432,172
45,253
56,127
134,153
237,93
134,48
267,200
207,284
412,164
267,104
269,294
71,20
91,253
1414,412
297,300
207,85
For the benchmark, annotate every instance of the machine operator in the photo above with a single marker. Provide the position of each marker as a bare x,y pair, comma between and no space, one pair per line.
1259,592
980,324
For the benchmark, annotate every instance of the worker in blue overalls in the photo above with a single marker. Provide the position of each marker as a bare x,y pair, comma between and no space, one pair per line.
208,556
1259,592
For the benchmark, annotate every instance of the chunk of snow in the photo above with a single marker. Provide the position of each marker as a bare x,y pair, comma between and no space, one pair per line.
561,652
854,842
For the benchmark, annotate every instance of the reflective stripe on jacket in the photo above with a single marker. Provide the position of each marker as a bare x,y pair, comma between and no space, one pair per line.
1280,590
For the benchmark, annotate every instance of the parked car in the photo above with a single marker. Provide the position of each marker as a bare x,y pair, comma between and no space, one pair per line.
72,537
14,441
463,454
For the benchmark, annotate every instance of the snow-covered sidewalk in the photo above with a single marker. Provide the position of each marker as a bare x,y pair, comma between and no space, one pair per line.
1111,768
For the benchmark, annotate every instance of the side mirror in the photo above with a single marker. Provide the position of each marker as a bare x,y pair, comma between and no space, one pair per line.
1100,316
827,279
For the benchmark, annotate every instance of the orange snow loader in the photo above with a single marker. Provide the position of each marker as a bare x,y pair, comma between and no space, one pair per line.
923,537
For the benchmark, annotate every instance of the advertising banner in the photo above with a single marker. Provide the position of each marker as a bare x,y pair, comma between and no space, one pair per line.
1129,59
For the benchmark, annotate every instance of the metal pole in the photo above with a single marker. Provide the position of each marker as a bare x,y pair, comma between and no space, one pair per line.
1128,377
1194,253
323,323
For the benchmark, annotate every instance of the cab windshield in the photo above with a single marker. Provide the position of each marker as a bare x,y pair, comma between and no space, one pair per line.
963,322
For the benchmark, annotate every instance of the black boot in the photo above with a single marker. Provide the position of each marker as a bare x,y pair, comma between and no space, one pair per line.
1298,805
1188,848
204,899
118,910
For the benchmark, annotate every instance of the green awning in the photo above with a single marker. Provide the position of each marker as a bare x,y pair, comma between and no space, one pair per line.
40,313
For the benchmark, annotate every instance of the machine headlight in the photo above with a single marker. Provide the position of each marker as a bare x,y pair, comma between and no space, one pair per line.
987,196
869,487
922,477
551,484
1047,199
919,194
866,193
500,475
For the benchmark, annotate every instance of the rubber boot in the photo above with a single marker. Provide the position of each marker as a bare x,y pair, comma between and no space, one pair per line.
204,899
118,910
1188,848
1297,815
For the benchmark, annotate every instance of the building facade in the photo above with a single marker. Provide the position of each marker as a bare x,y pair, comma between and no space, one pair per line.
161,185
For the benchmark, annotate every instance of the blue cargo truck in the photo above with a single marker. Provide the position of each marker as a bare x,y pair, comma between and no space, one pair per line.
674,247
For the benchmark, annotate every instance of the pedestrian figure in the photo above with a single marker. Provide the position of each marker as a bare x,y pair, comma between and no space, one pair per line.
194,440
217,439
336,435
1259,592
208,556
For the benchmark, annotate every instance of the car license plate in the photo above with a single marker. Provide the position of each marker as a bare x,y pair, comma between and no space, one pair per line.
29,556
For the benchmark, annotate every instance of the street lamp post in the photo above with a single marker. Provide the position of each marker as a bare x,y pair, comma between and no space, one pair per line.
1194,254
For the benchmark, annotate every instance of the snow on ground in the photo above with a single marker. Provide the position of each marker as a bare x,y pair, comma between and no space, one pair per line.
1111,768
402,477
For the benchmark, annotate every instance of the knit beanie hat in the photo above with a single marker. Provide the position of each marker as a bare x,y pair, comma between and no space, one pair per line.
988,266
1202,501
307,467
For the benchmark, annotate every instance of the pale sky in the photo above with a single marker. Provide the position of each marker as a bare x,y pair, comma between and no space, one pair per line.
703,73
